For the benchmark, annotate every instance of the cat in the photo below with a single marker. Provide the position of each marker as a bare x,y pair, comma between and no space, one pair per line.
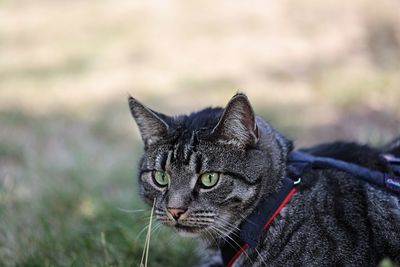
207,171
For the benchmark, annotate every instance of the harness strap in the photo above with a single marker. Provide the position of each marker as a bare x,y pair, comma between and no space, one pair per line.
298,162
257,222
394,163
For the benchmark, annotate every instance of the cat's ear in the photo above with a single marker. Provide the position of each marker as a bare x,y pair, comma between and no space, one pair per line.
237,124
151,124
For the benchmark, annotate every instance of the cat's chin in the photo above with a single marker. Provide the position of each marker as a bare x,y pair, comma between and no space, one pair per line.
186,231
188,234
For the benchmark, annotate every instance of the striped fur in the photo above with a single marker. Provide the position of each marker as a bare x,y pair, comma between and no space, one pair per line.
332,220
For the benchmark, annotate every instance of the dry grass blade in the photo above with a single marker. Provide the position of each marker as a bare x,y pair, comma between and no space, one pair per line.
104,244
145,254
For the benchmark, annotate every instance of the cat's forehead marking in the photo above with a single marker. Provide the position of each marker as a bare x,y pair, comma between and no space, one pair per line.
169,158
193,162
187,153
198,163
183,149
188,150
195,166
159,160
175,150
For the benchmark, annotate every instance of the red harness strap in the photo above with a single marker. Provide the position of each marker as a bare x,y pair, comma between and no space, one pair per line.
276,212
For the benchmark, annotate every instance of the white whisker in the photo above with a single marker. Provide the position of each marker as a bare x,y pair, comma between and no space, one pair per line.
130,211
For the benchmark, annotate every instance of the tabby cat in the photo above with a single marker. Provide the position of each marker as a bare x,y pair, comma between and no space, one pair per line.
207,171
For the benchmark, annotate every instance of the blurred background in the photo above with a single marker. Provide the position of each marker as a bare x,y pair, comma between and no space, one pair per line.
317,70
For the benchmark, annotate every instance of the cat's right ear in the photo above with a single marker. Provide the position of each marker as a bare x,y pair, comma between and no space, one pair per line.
237,124
152,127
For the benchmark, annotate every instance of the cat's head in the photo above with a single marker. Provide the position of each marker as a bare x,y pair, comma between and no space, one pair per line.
206,171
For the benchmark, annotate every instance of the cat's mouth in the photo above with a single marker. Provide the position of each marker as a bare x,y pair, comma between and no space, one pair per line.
186,225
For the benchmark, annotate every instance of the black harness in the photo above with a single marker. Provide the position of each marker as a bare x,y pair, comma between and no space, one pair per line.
298,163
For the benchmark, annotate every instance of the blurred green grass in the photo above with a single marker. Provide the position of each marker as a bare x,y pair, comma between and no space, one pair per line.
62,189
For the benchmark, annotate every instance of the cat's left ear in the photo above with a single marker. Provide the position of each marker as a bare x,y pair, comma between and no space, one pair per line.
237,124
153,126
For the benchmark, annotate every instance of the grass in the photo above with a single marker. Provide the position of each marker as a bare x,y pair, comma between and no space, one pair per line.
67,204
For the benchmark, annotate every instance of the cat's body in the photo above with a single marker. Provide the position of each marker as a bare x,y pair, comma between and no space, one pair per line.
334,219
207,171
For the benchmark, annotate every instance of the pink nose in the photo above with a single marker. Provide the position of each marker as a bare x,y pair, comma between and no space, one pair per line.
176,213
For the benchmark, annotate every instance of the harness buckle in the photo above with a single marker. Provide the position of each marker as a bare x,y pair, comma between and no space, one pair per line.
297,181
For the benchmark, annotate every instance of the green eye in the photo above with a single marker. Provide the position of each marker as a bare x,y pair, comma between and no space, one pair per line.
161,178
209,179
